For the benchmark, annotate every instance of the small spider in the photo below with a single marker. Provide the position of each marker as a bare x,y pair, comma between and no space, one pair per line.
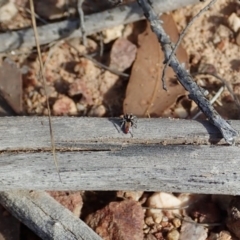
128,121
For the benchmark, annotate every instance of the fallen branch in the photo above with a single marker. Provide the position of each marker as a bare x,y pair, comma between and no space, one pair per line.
45,216
195,92
163,155
93,23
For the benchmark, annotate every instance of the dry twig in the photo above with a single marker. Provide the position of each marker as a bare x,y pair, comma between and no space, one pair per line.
217,95
196,93
82,25
45,87
180,40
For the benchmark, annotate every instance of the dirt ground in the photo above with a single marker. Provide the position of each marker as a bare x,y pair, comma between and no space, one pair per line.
76,86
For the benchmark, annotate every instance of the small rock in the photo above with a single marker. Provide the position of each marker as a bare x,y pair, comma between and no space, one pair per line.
71,200
122,55
192,231
173,235
108,80
87,69
223,235
97,111
79,86
234,22
149,221
8,11
162,200
134,195
111,34
118,221
176,222
158,220
64,106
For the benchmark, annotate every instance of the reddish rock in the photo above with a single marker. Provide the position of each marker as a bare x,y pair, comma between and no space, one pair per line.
118,221
122,55
64,106
70,200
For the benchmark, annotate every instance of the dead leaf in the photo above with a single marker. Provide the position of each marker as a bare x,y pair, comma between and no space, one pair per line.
144,95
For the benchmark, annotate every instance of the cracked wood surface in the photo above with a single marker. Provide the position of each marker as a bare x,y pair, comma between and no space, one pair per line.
163,155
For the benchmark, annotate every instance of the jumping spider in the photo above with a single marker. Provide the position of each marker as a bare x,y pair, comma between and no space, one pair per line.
128,121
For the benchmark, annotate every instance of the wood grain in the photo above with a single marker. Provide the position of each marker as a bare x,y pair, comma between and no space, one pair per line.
95,22
46,217
163,155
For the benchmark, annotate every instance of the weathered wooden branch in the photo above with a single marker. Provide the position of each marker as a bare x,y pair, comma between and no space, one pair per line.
93,23
163,155
46,217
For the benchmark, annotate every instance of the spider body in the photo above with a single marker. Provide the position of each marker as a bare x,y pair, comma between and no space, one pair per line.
128,121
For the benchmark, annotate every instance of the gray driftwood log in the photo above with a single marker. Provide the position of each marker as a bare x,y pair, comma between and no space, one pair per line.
163,155
46,217
93,23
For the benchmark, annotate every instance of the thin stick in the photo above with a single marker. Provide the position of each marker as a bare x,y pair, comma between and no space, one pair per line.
196,223
98,63
225,82
45,87
180,40
50,53
82,25
195,92
217,95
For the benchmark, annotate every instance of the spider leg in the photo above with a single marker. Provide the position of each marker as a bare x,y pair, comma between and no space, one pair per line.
122,123
130,131
134,121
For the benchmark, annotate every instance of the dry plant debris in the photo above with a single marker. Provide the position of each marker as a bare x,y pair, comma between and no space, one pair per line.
77,86
144,95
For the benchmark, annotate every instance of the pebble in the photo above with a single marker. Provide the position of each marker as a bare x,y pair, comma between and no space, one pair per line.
176,222
173,235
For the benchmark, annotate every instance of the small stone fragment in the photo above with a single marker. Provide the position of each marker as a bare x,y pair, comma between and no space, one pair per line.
173,235
7,11
123,53
118,221
163,200
176,222
234,22
149,221
192,231
71,200
64,106
113,33
134,195
97,111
